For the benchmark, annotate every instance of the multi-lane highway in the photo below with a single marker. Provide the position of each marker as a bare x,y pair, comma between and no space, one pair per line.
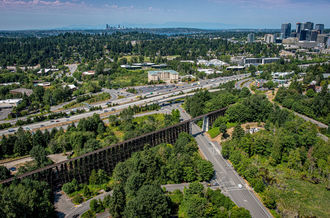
130,100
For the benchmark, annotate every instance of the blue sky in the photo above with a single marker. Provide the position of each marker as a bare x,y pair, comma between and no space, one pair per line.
45,14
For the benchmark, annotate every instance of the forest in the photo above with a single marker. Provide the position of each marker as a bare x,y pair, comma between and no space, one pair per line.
287,163
88,135
77,47
136,185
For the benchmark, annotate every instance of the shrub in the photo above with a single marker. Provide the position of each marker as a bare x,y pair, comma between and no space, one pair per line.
68,188
77,199
86,192
88,214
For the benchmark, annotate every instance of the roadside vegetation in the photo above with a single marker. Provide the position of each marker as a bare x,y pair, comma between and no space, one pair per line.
88,135
310,103
136,185
283,163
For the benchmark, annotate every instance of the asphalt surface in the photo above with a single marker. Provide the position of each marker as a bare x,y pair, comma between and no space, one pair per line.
167,109
228,179
131,100
238,85
230,182
65,208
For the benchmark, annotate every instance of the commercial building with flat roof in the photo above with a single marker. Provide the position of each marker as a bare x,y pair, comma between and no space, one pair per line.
259,61
236,68
167,76
9,103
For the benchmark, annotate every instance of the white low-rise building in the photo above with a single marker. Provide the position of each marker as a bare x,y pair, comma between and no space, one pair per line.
187,61
206,71
41,71
43,84
89,73
9,84
213,62
277,75
235,68
9,103
70,86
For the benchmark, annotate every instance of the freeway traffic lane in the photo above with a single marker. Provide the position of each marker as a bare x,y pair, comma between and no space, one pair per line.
228,179
129,101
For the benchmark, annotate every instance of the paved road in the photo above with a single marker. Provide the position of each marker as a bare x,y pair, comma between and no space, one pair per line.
228,179
130,101
319,124
66,208
238,85
56,158
59,157
226,176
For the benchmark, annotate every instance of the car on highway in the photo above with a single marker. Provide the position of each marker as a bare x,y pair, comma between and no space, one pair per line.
11,130
42,125
57,121
27,128
239,185
105,111
12,168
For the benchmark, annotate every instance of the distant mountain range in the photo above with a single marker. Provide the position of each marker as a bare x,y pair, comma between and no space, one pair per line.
167,30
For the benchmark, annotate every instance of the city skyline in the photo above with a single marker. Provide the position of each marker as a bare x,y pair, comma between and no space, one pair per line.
209,14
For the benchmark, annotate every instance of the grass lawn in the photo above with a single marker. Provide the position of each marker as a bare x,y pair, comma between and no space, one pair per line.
129,58
130,78
158,117
304,197
214,132
295,196
95,99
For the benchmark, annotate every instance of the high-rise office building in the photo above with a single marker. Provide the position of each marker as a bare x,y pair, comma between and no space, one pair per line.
298,27
322,38
308,35
250,37
269,38
319,28
314,34
286,30
308,26
303,35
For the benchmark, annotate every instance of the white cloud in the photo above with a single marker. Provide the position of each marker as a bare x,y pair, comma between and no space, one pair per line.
35,3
